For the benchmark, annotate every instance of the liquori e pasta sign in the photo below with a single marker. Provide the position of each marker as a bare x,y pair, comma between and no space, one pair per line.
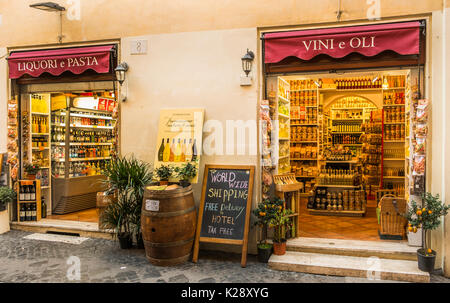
57,61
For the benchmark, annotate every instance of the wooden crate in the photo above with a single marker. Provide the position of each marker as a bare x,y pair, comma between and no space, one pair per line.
392,222
38,201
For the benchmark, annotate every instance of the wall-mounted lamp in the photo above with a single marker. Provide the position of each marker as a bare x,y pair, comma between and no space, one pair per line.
120,70
247,61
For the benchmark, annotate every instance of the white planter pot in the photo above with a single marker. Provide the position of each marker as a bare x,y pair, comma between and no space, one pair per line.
415,239
4,222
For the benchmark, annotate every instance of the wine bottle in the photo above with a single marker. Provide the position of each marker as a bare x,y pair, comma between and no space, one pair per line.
22,193
177,152
183,151
194,150
26,193
161,151
33,212
189,151
27,212
22,212
172,151
32,192
166,154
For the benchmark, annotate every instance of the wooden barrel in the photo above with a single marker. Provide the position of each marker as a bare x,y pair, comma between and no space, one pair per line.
168,221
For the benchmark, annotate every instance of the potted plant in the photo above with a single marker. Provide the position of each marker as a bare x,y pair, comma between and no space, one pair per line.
428,217
31,170
264,213
186,173
7,195
126,178
116,217
164,172
281,224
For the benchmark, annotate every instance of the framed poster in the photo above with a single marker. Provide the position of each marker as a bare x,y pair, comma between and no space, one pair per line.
179,141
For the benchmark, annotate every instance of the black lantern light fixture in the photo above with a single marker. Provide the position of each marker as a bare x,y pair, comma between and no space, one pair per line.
52,7
247,61
48,6
120,70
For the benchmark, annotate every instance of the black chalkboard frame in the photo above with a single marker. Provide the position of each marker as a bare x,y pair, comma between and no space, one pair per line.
244,241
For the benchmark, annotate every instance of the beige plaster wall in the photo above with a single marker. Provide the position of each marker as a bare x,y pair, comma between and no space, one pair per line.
188,70
108,19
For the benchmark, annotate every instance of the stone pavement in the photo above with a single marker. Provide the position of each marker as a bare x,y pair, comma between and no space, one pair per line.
23,260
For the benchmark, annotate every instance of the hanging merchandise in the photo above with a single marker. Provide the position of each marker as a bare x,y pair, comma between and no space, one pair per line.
12,144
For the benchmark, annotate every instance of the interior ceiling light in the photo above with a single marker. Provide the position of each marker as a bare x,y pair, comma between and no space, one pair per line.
48,6
374,79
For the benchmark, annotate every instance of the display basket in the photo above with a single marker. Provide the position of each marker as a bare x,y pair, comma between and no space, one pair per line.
392,220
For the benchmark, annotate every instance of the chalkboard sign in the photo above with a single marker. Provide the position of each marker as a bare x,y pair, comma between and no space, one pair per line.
224,213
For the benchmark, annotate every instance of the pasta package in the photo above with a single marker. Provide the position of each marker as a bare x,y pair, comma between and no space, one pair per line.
419,165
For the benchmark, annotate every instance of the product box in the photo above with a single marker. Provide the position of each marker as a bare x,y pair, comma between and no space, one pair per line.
102,104
328,83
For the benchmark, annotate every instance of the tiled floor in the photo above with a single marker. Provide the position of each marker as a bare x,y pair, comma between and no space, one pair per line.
90,215
350,228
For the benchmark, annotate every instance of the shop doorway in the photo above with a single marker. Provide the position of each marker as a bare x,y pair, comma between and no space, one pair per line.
70,137
346,139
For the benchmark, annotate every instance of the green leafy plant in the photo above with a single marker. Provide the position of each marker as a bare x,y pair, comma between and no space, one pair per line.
31,169
126,178
263,214
116,215
281,224
164,172
427,217
186,172
7,195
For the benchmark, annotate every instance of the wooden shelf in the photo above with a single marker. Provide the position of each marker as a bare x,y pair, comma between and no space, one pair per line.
40,114
344,213
394,88
349,161
306,142
303,124
394,159
338,186
304,159
393,105
394,141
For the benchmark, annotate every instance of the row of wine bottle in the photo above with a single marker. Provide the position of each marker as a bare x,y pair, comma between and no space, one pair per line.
27,193
177,152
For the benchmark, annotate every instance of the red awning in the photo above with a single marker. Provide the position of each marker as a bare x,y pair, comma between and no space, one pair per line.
368,40
56,61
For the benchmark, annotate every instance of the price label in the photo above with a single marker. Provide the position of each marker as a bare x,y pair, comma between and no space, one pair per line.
152,205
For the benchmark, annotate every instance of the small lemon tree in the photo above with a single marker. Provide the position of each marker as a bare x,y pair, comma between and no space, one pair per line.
265,212
427,217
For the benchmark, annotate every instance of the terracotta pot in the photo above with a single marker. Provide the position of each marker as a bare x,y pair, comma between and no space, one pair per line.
279,249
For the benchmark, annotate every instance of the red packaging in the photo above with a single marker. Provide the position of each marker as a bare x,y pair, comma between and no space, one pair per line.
111,105
102,104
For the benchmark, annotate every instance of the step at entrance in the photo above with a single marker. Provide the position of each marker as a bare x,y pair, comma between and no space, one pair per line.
398,250
349,266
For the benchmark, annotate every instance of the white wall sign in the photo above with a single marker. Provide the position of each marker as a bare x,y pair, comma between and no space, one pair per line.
138,47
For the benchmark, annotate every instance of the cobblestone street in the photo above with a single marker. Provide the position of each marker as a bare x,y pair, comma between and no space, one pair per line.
102,261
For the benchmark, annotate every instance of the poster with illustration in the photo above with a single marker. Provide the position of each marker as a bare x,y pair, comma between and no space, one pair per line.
179,138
